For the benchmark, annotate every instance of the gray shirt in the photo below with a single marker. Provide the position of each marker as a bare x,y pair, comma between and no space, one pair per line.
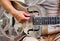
51,6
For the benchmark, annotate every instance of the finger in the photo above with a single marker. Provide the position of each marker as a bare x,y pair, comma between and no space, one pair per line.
27,15
23,19
27,18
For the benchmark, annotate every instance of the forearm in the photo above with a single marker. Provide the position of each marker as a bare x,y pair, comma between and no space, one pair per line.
18,5
7,6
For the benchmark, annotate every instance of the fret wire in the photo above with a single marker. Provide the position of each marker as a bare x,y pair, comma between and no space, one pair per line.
52,19
47,20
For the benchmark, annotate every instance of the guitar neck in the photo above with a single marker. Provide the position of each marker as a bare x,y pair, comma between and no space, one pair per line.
46,20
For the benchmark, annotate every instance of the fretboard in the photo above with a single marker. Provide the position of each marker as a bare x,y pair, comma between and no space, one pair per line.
46,20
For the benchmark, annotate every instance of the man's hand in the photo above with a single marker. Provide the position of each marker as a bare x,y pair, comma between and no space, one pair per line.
21,16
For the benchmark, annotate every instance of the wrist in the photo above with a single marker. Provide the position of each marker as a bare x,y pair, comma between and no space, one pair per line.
13,11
